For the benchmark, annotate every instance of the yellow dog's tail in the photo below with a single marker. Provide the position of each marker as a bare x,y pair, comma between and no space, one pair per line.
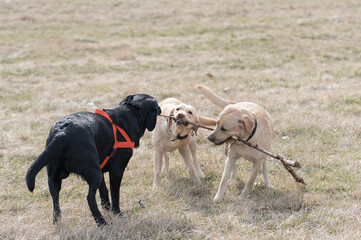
211,96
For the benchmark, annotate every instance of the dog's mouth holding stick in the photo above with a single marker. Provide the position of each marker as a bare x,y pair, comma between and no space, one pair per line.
287,163
181,121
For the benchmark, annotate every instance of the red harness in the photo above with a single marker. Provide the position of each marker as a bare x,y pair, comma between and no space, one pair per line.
117,144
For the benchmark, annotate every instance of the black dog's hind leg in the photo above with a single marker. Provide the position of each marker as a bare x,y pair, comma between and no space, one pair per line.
115,181
54,188
94,179
104,195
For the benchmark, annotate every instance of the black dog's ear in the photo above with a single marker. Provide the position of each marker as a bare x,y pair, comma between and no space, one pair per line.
147,107
127,99
151,119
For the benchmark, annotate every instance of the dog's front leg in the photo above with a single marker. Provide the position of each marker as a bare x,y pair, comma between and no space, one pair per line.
228,169
166,162
115,181
185,152
249,185
193,149
265,176
234,175
104,195
158,158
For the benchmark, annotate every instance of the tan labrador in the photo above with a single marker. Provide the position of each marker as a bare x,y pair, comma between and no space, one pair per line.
247,121
170,135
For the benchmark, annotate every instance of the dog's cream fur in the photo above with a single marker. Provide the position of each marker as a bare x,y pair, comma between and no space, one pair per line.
238,120
166,133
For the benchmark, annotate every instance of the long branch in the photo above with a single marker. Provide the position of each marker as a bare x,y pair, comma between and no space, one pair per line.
287,163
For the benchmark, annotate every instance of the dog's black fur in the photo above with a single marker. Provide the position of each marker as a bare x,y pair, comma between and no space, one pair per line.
79,142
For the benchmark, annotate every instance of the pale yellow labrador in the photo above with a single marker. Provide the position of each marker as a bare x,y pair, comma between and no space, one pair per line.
249,122
172,134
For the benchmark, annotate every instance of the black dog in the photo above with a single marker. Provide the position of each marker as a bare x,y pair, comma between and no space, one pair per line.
81,142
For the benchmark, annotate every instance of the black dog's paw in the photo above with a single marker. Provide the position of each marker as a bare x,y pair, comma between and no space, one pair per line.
117,212
106,205
56,218
101,222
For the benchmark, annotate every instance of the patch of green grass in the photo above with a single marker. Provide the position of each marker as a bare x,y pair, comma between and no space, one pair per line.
85,40
22,73
352,100
13,96
346,105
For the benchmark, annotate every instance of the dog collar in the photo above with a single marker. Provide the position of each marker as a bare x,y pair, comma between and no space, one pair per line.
253,131
179,137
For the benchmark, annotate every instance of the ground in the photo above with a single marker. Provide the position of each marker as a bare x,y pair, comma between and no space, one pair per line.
300,60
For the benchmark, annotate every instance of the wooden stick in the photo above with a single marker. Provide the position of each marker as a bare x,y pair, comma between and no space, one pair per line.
287,163
190,122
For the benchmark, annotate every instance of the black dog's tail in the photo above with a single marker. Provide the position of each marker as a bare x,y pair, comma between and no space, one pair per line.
52,151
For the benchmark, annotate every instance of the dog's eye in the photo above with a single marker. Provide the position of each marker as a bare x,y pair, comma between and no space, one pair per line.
190,113
177,109
223,129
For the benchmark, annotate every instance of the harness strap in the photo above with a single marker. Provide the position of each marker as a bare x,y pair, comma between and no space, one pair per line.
117,144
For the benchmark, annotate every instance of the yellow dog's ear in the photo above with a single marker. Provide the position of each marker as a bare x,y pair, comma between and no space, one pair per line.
247,122
169,120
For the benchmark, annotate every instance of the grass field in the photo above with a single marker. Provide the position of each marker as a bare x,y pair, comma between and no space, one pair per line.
301,60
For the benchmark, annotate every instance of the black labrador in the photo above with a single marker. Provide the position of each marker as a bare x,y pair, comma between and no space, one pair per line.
79,143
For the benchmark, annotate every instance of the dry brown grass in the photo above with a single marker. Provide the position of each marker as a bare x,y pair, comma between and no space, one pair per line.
301,60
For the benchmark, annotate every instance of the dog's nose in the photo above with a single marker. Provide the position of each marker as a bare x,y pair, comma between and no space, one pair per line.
211,138
180,115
